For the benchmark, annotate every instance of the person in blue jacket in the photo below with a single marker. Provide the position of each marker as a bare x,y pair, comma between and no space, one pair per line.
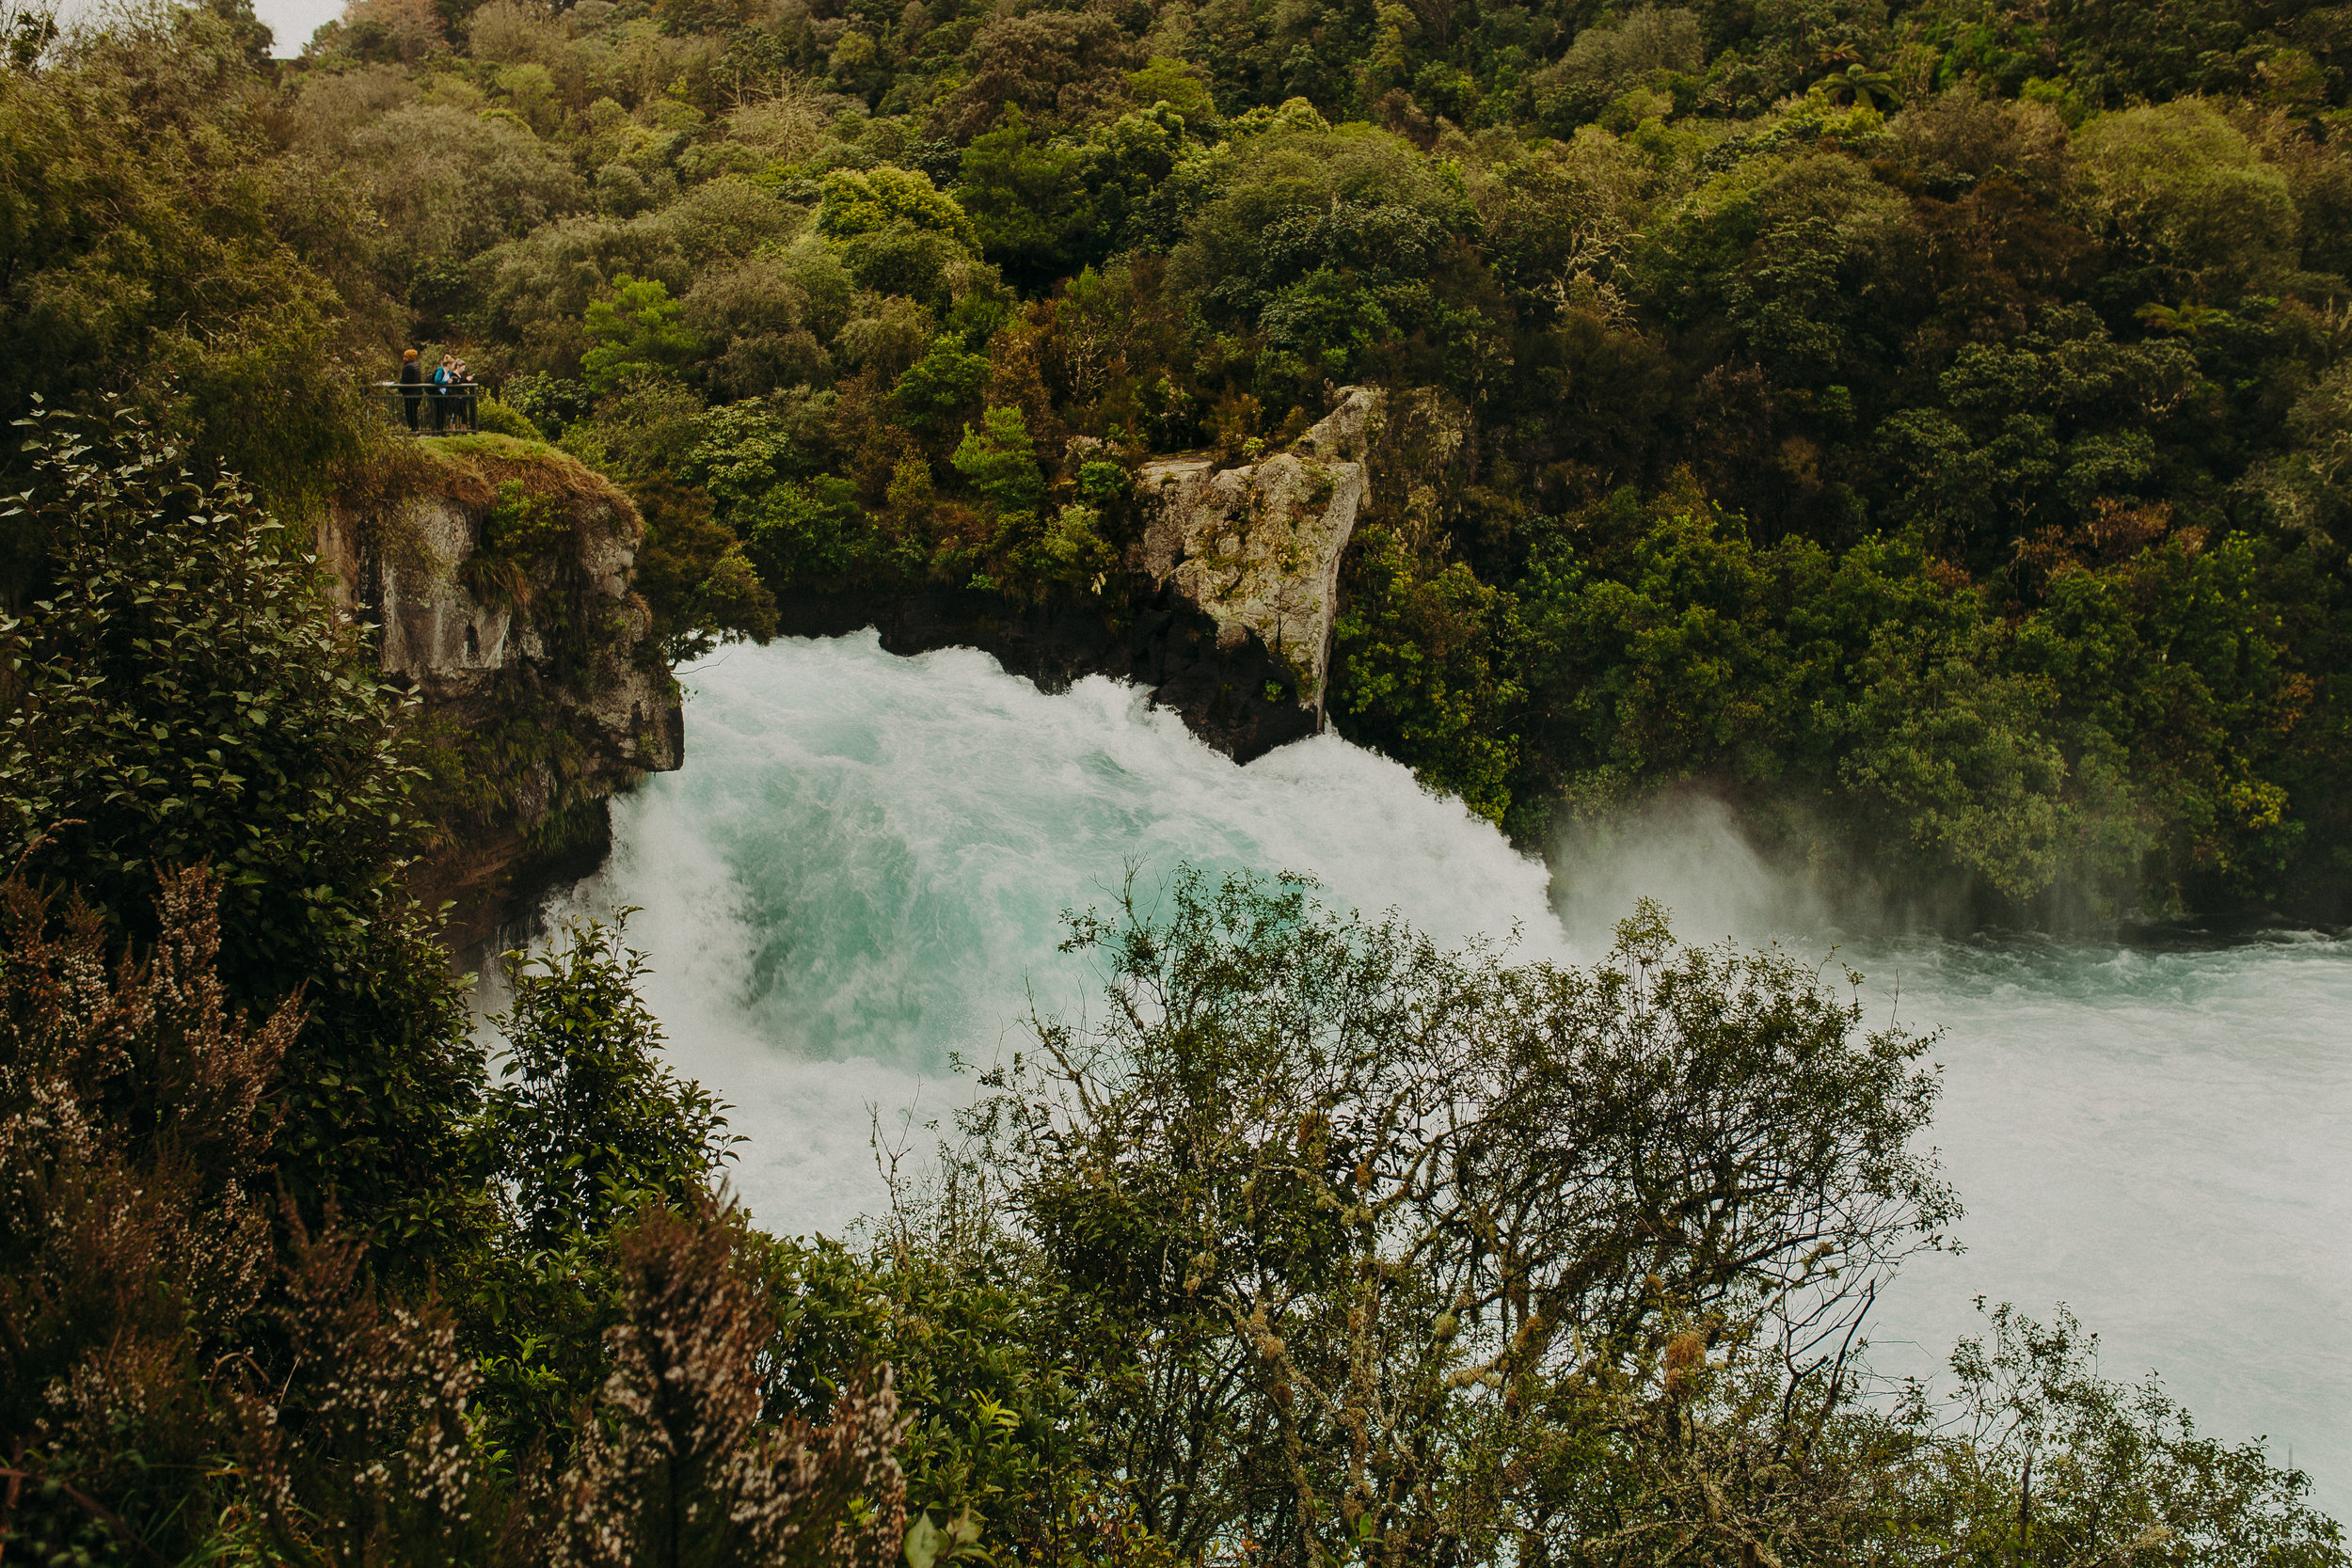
443,374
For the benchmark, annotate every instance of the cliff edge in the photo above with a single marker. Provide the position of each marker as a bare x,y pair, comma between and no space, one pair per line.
1256,550
497,573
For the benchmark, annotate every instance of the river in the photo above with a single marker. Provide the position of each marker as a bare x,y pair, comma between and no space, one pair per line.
860,873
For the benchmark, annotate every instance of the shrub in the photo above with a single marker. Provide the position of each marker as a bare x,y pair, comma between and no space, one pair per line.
500,419
187,696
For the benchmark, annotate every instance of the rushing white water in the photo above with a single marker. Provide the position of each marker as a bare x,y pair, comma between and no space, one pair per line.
861,871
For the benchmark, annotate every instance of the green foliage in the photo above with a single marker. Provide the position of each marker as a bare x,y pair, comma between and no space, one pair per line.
1104,483
500,419
185,697
1000,462
182,699
1369,1250
877,201
246,1389
1061,555
1180,85
2186,193
1329,240
634,333
2047,1463
1380,1223
548,404
701,586
520,531
945,381
949,1303
243,1390
170,250
2033,431
1420,677
588,1125
1029,204
1610,59
741,450
1965,757
807,534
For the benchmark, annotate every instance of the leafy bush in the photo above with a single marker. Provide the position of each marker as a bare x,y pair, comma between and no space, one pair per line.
588,1125
634,333
187,696
500,419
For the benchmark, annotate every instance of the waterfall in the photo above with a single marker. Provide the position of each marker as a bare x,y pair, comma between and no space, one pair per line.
859,877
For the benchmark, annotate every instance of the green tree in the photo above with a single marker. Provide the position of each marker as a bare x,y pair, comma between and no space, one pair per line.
1028,203
1000,462
164,246
946,380
2044,1462
1375,1222
1422,650
857,202
636,332
187,696
588,1124
810,534
2186,194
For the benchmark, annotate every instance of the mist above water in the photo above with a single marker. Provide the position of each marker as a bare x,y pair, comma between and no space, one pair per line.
862,870
1686,853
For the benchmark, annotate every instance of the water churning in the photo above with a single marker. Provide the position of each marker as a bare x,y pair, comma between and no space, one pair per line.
859,878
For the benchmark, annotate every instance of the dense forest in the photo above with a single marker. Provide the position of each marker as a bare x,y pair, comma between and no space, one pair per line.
1925,428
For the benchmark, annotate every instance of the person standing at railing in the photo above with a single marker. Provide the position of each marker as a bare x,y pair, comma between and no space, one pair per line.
411,385
461,381
441,393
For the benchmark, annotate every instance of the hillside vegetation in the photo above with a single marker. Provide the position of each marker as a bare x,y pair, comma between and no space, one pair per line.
1923,426
1926,428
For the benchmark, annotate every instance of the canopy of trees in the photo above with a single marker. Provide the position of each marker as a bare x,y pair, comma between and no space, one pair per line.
1916,423
1929,422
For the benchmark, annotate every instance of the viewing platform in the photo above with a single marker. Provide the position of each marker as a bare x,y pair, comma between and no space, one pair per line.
424,409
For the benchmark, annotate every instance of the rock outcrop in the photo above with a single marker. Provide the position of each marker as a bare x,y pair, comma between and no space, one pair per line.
1235,586
1256,550
497,573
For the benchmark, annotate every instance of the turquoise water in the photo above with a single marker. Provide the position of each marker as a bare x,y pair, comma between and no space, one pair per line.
860,874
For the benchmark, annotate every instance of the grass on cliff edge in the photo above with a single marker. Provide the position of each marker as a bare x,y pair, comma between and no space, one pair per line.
469,469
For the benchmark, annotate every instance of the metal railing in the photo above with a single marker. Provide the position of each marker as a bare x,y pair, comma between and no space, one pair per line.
427,409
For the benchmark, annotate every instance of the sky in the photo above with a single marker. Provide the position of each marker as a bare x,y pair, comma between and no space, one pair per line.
290,21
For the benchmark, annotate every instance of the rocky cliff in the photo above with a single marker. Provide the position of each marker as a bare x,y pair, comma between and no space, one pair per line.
498,575
1255,550
1235,590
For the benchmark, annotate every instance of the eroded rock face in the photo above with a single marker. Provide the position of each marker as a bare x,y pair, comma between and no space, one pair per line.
1235,587
530,664
1257,549
461,650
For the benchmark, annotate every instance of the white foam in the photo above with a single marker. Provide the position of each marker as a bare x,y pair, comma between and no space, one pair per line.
863,865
